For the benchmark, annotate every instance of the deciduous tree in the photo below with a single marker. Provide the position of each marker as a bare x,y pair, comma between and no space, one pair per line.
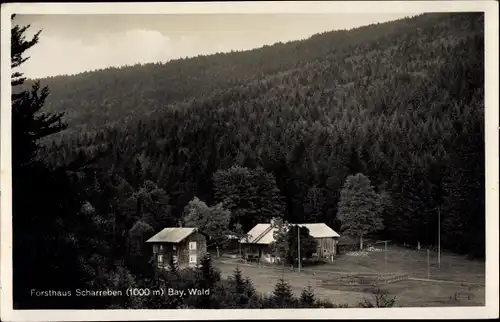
280,245
213,221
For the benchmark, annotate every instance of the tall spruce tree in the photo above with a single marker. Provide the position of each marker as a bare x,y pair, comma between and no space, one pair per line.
243,289
359,208
29,125
51,245
208,277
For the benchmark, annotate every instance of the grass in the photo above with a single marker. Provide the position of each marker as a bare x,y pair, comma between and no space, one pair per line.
461,273
414,263
264,278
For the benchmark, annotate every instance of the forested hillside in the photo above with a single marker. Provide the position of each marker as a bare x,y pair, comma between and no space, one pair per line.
401,102
296,130
94,98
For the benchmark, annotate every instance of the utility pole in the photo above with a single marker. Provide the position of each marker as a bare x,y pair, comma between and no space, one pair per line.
298,245
385,259
439,237
428,265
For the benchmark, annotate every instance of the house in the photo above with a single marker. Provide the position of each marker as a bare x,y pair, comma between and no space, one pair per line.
186,245
258,242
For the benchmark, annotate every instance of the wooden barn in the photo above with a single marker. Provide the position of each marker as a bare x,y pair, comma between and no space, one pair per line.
186,245
257,244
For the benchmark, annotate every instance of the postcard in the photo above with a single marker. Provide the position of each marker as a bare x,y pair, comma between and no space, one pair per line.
249,160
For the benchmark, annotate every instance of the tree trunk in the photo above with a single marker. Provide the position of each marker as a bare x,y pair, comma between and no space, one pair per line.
217,247
361,242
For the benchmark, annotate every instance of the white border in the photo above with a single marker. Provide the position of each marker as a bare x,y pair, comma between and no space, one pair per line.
411,7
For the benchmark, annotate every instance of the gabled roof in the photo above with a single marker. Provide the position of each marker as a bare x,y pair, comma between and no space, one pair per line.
320,230
172,235
256,234
264,233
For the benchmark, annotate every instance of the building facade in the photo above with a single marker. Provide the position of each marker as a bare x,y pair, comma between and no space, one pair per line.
257,245
184,245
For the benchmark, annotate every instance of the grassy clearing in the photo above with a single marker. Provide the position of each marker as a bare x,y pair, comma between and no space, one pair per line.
399,261
412,262
264,279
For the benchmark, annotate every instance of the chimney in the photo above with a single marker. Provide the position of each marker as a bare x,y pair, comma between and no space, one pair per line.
273,220
179,223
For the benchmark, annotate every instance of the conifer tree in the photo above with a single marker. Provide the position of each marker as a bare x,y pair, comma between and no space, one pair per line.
307,297
54,197
242,288
208,273
208,277
282,294
359,208
138,255
29,126
238,280
138,173
314,205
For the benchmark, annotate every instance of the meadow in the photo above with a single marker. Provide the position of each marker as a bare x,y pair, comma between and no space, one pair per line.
457,282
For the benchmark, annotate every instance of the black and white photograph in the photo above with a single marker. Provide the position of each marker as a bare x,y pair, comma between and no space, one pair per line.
295,159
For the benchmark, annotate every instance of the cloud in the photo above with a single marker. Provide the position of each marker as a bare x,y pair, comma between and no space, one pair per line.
60,55
73,44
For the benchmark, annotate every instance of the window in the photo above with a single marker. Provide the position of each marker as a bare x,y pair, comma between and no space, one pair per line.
160,258
192,245
174,247
192,259
155,248
161,248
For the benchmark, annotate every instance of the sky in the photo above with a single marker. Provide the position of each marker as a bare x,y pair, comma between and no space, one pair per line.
71,44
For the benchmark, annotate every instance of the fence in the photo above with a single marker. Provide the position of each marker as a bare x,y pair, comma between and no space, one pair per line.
369,279
463,296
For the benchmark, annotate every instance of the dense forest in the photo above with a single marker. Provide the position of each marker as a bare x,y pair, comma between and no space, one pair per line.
270,132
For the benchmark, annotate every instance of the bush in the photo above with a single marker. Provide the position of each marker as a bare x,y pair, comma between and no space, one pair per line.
381,298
